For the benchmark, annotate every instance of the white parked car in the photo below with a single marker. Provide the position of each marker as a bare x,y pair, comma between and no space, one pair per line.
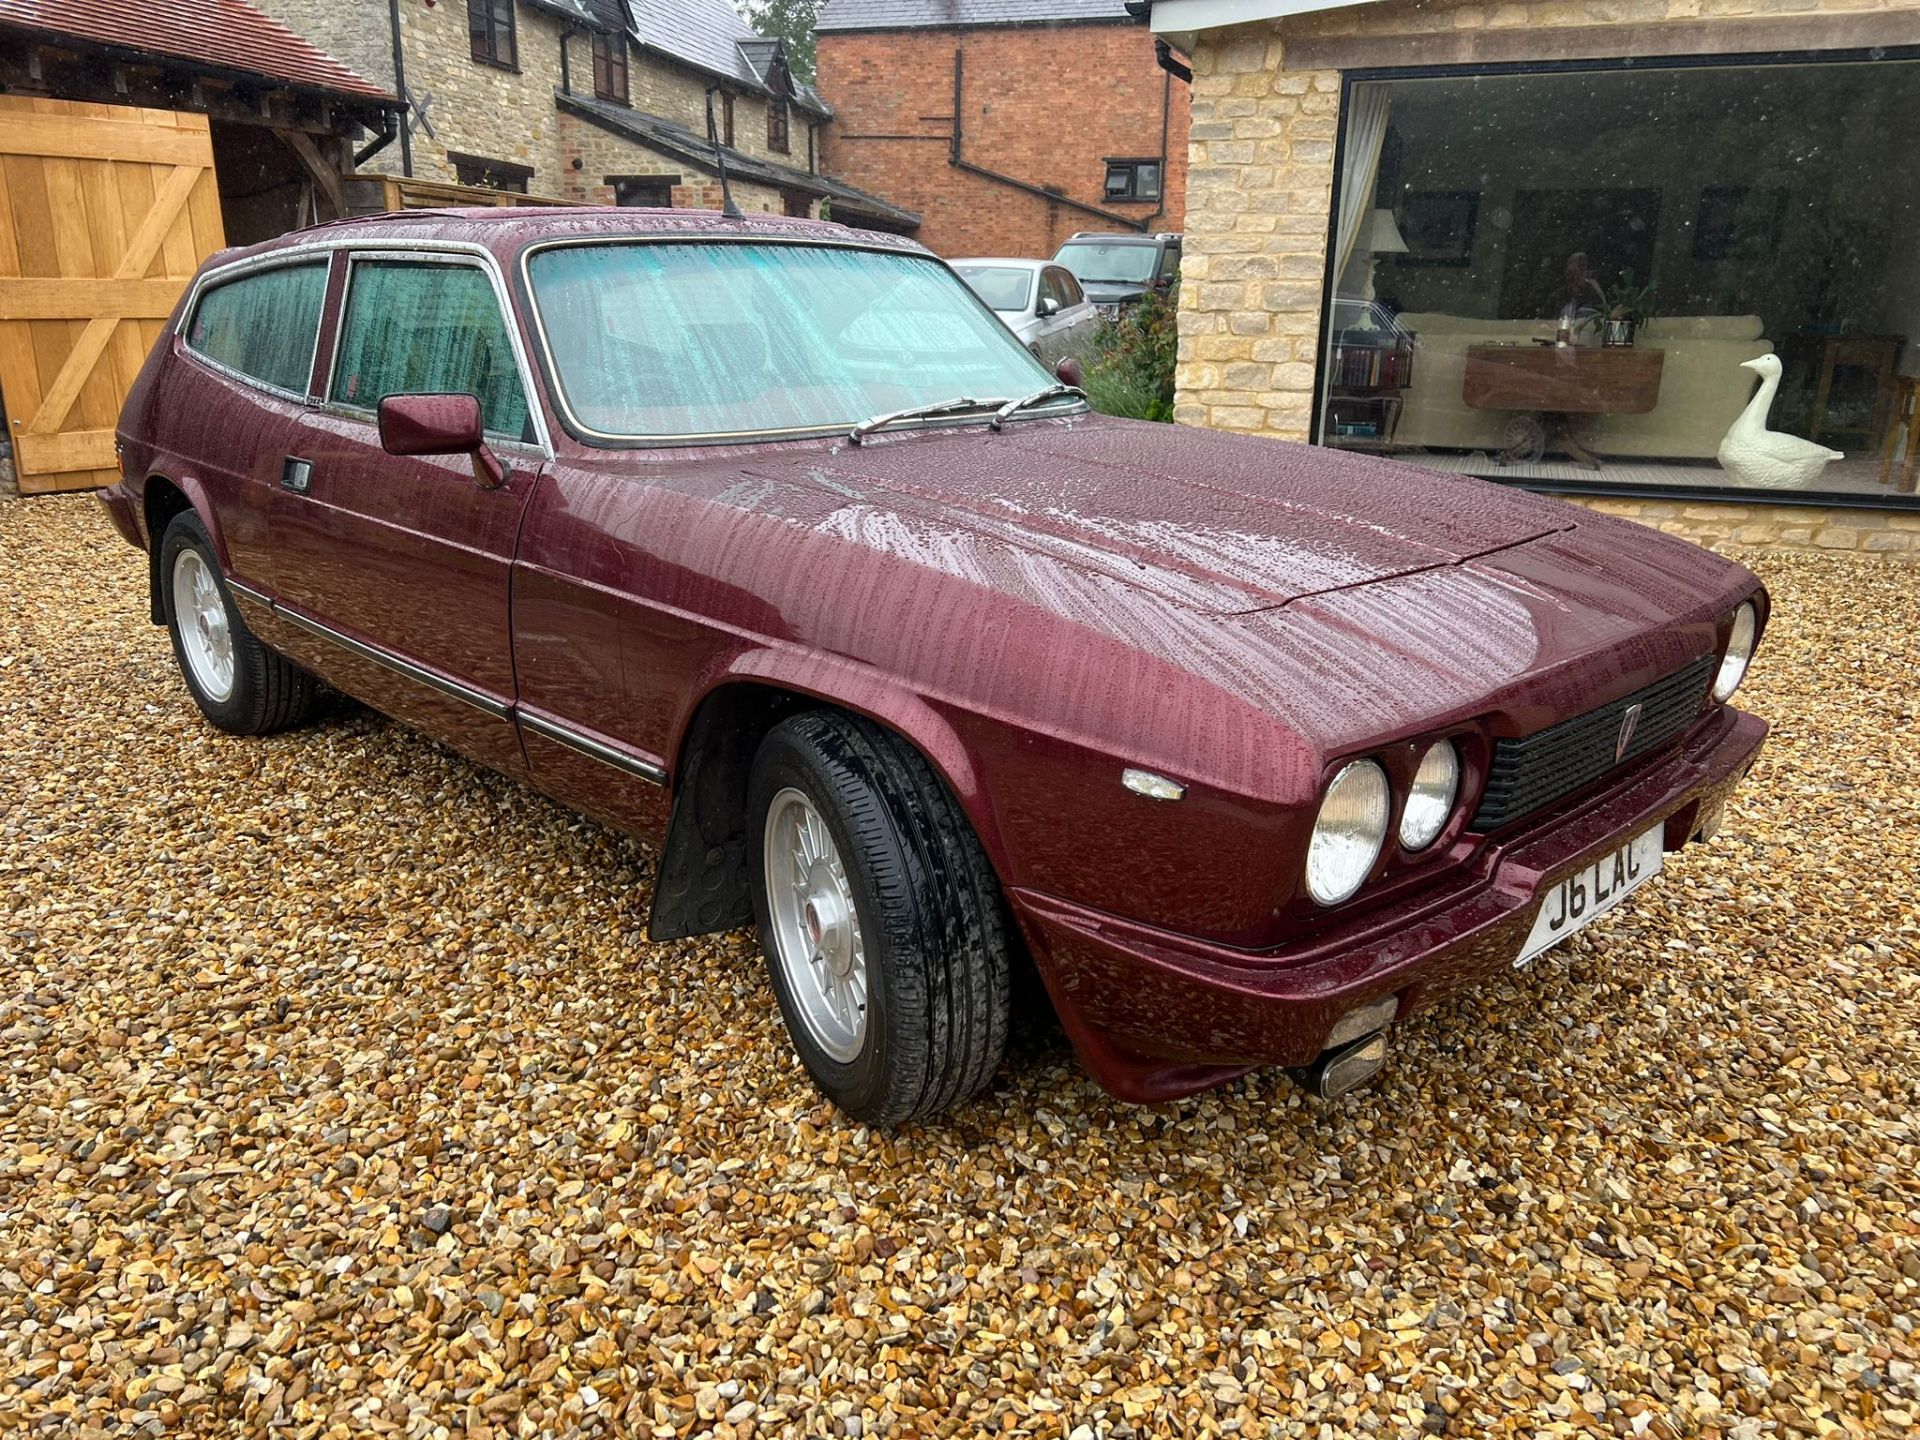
1040,302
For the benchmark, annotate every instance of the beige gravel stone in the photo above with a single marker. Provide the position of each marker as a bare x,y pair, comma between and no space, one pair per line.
342,1095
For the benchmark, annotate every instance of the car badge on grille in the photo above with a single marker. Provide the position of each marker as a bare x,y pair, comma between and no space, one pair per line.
1629,722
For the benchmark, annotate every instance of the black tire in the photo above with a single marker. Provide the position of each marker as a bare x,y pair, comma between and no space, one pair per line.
931,915
269,692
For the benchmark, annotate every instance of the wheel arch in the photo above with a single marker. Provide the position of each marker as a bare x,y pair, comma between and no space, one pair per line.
161,498
702,883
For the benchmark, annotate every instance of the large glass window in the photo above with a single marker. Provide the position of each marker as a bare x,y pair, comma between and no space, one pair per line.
660,340
1673,277
264,324
419,328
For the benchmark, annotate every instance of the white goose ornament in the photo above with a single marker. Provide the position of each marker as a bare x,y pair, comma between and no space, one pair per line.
1754,455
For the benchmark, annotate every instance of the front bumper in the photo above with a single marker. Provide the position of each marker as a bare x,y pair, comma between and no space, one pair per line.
1155,1015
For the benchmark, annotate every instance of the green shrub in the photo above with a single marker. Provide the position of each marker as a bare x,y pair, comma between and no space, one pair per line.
1133,358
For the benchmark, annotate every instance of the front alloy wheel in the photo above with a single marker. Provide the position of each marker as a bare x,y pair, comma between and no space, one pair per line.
886,936
816,938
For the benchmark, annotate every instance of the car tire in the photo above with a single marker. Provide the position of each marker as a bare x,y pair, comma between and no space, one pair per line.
240,685
863,864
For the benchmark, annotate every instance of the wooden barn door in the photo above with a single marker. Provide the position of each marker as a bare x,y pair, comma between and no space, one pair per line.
105,213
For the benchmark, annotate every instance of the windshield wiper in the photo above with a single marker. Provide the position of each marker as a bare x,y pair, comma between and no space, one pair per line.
1013,407
924,412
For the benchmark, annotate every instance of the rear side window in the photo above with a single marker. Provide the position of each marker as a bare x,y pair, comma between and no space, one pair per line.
419,328
263,325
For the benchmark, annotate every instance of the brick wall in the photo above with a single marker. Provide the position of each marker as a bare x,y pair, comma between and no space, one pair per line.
1047,105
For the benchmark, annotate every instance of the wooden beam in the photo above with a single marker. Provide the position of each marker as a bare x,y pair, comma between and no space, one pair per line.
1545,44
324,175
100,140
75,450
51,298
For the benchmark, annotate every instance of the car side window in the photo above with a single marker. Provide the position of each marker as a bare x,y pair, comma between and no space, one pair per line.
1070,292
423,328
263,325
1170,262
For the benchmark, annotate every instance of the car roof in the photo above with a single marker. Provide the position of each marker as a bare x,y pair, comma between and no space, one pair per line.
1121,237
507,229
1002,260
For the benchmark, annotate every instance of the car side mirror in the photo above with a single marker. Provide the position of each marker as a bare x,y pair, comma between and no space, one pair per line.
1069,373
441,425
1048,306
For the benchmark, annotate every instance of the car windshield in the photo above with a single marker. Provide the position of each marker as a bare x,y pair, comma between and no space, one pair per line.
656,340
1092,262
1004,287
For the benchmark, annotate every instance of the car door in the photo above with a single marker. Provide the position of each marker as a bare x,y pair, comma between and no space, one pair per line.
1079,321
1050,332
247,352
400,567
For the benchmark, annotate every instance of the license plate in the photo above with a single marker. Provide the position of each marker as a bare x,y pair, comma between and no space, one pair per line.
1590,892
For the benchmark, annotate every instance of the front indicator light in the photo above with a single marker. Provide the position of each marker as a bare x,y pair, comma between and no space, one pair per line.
1733,664
1349,831
1436,785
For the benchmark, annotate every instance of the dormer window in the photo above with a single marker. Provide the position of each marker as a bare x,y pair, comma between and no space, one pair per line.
610,67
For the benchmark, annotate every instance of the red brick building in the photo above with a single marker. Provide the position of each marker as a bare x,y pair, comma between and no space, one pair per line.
1006,124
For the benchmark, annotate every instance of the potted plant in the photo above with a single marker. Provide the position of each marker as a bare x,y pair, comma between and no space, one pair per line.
1624,308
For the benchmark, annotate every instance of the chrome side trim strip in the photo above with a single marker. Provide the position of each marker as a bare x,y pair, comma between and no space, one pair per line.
594,749
247,592
453,689
582,744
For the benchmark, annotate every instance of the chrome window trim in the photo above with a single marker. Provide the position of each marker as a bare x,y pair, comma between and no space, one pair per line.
439,253
240,270
593,749
720,437
400,248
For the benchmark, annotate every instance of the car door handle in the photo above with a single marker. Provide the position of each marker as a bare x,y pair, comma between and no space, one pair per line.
296,475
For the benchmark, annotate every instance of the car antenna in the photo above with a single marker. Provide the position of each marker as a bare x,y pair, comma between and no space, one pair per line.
727,207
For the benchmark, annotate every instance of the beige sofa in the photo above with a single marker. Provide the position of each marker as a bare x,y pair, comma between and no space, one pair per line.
1702,387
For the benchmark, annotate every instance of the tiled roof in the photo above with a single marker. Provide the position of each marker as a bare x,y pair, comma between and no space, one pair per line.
709,35
224,35
670,137
946,14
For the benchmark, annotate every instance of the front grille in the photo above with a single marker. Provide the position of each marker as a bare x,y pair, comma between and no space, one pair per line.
1535,770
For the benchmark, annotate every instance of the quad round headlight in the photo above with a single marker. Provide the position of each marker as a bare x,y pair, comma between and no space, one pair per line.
1733,665
1351,828
1436,785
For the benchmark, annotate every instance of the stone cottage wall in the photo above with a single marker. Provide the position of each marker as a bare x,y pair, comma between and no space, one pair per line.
602,154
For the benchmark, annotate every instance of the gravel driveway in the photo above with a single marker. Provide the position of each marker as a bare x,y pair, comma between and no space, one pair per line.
340,1094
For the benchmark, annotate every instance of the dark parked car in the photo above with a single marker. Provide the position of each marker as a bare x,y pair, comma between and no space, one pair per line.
765,540
1116,270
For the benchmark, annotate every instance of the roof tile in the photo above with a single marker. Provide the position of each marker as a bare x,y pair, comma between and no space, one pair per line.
225,35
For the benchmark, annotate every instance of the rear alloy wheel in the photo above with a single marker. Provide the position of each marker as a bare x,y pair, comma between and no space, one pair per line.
240,685
884,929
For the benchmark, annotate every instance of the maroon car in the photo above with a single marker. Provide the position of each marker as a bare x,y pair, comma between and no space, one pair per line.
764,540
